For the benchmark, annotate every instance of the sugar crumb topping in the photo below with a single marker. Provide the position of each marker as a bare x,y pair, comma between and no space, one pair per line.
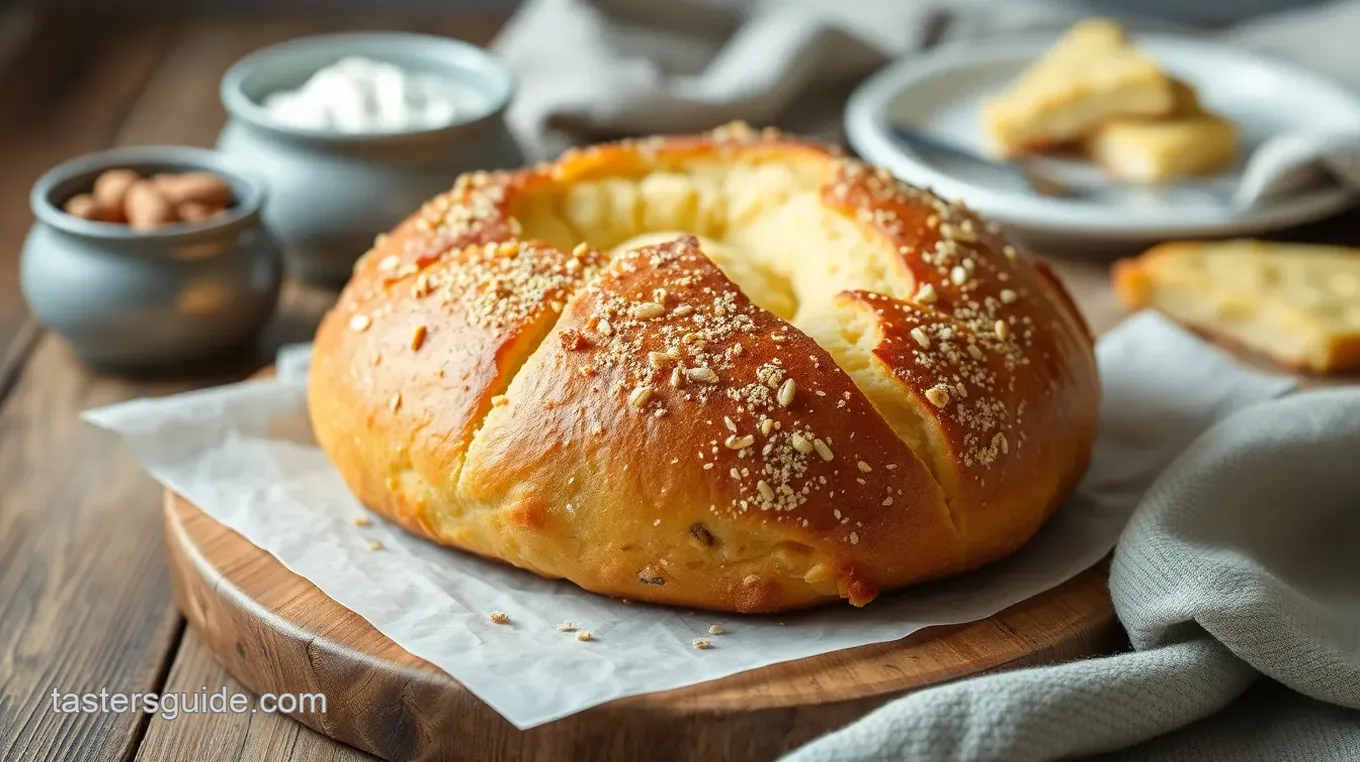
681,343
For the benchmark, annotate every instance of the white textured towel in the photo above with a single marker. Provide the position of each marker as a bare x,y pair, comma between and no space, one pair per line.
1238,580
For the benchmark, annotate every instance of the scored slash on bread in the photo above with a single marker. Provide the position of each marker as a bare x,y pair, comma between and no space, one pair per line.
733,371
1295,303
1091,75
677,417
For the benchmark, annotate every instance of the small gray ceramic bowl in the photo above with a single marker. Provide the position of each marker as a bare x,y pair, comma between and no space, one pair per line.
332,193
138,300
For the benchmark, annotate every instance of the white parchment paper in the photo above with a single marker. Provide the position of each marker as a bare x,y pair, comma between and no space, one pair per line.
245,454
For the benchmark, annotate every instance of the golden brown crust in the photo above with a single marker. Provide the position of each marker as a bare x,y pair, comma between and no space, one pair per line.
696,436
588,418
422,346
1001,342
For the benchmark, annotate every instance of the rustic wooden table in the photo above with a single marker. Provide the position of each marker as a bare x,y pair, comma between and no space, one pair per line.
85,598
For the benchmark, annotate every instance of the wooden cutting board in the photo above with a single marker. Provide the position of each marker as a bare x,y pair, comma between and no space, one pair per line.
277,633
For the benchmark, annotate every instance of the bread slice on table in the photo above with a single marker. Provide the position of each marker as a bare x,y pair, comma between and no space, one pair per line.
1092,74
1295,303
1192,142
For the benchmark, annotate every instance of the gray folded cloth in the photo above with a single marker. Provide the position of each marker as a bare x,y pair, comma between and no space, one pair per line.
1238,581
596,69
591,70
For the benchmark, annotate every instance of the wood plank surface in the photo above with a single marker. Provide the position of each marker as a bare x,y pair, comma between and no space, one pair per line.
66,91
247,737
279,634
83,591
85,597
202,53
85,601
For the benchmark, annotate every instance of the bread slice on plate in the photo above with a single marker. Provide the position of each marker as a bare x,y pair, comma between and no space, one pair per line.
1298,304
1092,74
1192,142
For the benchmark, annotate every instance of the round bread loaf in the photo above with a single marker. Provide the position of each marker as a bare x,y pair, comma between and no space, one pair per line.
734,371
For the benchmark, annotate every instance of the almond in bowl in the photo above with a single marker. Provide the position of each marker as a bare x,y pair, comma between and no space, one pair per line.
124,197
150,258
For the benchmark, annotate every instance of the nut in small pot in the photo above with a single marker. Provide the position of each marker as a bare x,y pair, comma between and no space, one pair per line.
122,196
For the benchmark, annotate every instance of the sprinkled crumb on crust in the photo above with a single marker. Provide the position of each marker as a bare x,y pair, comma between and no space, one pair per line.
662,349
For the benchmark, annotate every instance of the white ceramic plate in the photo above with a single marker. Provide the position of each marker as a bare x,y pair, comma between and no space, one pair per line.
941,93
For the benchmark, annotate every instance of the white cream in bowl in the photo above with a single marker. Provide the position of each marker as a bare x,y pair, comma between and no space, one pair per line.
361,95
